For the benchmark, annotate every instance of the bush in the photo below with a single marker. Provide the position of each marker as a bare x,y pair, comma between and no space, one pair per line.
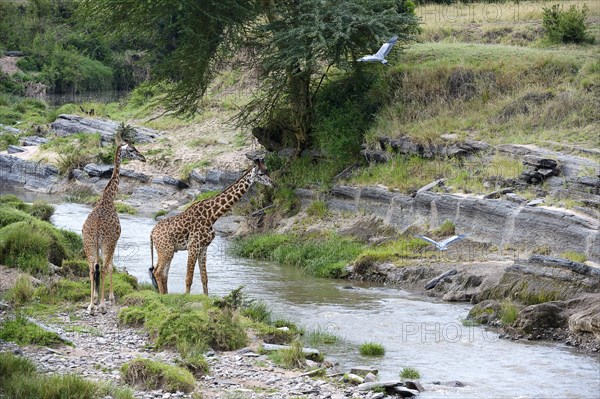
566,26
22,332
148,374
30,245
508,313
7,139
290,358
184,321
22,292
10,215
371,349
41,210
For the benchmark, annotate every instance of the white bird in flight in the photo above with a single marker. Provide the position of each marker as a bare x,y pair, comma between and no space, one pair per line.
379,56
443,245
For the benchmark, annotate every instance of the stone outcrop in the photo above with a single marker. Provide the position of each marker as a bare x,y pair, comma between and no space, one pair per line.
66,125
34,176
33,140
499,222
449,147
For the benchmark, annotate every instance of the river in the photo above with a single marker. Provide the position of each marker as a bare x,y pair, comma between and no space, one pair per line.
418,332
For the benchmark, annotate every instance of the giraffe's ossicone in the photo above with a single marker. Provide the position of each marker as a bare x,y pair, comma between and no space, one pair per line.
192,230
102,229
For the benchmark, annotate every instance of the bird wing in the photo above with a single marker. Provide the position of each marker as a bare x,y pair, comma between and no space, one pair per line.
369,58
428,240
387,47
452,239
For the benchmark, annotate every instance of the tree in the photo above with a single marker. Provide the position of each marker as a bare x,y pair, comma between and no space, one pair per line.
302,39
294,42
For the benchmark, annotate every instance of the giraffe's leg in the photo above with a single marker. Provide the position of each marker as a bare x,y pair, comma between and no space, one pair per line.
191,263
108,251
111,295
90,308
202,267
161,270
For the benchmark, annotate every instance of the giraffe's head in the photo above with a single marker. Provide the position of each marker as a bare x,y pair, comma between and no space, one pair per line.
260,174
128,151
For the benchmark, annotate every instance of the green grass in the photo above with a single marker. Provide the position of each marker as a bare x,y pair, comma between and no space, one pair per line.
371,349
409,173
78,150
73,291
291,358
184,321
317,209
22,332
20,379
22,292
160,213
508,312
125,208
149,374
320,336
410,373
574,256
10,203
325,256
188,168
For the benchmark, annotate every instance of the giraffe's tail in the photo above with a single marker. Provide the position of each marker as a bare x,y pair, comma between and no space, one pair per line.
97,277
151,270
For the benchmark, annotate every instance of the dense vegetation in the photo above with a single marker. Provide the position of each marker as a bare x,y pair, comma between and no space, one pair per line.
63,52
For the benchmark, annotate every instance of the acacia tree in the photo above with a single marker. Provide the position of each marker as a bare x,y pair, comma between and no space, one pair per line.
293,42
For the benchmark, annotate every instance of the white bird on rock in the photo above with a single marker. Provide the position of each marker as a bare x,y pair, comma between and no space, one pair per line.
379,56
443,245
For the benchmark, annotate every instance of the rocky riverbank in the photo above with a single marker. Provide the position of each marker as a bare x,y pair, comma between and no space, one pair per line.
100,345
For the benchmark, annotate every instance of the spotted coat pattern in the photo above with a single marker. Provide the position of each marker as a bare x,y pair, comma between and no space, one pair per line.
192,230
102,229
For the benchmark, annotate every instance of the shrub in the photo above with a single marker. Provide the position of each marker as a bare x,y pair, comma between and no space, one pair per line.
30,245
7,139
410,373
10,215
22,292
149,374
41,210
22,332
566,26
184,321
371,349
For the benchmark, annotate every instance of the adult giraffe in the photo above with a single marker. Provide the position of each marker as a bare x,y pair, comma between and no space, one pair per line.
102,229
192,230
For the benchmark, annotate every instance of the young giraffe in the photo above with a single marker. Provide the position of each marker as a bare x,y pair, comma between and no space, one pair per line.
192,230
102,229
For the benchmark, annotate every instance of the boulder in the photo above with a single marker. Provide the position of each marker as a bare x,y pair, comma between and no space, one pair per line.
95,170
66,125
485,312
170,181
15,149
33,140
586,319
8,129
31,175
541,317
363,370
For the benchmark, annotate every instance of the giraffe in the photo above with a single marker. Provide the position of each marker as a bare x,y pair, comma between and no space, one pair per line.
101,230
192,230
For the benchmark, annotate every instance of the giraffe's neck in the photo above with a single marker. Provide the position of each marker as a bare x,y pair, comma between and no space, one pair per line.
216,207
110,191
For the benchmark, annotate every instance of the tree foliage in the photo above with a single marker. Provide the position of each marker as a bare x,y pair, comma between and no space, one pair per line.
189,38
292,42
